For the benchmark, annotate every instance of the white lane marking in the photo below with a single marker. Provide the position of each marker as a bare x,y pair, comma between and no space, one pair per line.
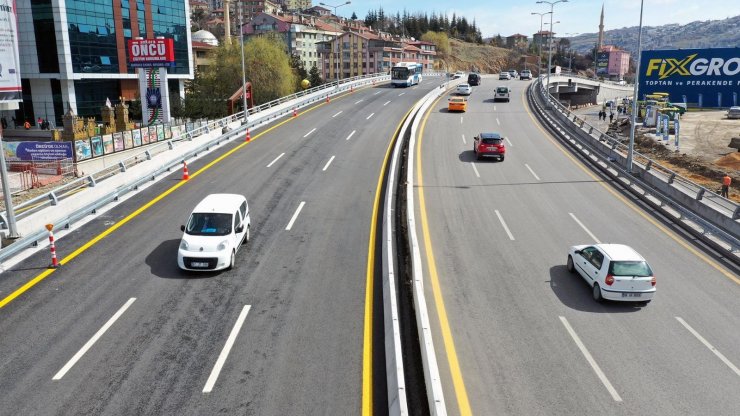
584,228
386,103
591,361
498,122
359,101
276,159
336,114
501,219
475,169
307,134
708,345
298,211
464,142
328,163
351,134
92,341
368,117
509,141
225,351
461,120
494,108
377,92
401,94
532,172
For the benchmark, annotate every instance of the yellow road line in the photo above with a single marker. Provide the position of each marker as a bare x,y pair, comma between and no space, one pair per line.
367,345
457,378
31,283
627,202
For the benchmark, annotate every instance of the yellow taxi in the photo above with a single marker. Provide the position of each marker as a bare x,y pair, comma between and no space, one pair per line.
457,104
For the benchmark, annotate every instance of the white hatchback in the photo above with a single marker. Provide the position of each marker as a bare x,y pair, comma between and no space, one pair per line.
614,272
217,228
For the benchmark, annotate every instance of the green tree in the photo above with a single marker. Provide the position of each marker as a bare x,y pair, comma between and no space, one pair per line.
298,70
354,16
268,68
211,87
314,77
440,40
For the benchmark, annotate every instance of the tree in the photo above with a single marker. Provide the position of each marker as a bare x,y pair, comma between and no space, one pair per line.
354,16
314,78
268,68
299,70
211,87
440,40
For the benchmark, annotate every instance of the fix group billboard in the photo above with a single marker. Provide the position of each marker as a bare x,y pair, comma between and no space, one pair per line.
697,77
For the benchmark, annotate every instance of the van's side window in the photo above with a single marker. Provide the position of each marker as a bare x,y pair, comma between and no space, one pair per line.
237,220
243,208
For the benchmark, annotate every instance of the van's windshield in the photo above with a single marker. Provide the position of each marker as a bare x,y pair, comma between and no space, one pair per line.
209,224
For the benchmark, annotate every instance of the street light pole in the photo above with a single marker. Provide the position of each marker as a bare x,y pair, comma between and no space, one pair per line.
539,51
549,42
633,121
339,51
244,72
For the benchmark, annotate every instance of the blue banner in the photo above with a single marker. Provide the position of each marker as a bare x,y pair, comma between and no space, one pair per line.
691,73
35,151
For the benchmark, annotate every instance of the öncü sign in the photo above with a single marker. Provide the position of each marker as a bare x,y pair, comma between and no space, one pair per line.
151,52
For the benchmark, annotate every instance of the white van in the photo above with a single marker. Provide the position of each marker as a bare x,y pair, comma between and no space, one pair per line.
502,94
217,228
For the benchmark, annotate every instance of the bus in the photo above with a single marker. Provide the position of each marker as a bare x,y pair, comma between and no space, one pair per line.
406,74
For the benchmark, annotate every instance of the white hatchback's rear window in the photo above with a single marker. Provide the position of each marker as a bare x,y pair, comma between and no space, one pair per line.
630,268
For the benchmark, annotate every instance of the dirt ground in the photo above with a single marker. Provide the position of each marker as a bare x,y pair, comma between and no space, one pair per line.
703,155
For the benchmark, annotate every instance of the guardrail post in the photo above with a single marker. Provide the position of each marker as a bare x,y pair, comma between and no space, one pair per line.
169,143
591,130
672,177
53,197
91,181
649,165
148,155
122,165
700,194
736,214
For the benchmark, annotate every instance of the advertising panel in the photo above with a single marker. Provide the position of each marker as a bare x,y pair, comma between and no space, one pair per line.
118,141
30,151
96,143
698,77
152,134
602,63
108,144
145,135
10,76
128,139
149,53
160,132
82,149
137,137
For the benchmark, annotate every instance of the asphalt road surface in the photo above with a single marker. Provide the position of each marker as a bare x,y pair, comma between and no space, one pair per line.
120,330
515,333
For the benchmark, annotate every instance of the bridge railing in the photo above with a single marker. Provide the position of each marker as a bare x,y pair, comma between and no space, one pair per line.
699,209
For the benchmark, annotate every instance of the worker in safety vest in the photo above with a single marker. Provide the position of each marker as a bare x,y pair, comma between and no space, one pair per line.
726,181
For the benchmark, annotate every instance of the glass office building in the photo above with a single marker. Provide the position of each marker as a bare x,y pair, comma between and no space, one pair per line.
80,57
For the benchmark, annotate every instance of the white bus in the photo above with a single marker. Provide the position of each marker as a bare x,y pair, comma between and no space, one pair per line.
406,74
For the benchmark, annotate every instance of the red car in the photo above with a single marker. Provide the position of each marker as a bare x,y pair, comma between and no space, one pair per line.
489,144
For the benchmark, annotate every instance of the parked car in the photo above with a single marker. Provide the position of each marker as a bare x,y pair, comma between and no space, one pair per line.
504,75
614,272
502,94
464,89
733,112
489,145
513,73
215,231
526,74
457,104
474,78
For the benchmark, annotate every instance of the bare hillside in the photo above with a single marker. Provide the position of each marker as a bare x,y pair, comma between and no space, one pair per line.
482,58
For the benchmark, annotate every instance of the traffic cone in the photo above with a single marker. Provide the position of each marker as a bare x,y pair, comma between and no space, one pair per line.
327,98
185,174
248,137
295,112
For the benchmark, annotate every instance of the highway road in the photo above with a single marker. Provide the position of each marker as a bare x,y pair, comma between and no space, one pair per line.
514,332
120,330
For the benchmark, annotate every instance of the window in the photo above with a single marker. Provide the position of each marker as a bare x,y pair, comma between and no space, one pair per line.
209,224
630,268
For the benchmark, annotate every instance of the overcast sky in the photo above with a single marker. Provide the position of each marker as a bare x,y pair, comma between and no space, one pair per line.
507,17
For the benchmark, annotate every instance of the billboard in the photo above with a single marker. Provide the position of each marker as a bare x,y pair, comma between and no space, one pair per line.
149,53
36,151
697,77
10,76
602,63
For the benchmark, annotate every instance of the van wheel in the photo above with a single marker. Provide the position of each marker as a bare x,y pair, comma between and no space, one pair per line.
233,257
597,293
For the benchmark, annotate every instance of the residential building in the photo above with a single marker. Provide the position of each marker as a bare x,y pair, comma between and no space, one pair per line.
318,11
300,33
200,5
74,53
297,5
203,42
619,61
516,41
544,37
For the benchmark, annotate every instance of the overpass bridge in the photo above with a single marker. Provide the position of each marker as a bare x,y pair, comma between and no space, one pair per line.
574,90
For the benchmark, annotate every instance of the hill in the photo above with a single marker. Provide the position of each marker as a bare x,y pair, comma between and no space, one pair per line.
699,34
483,58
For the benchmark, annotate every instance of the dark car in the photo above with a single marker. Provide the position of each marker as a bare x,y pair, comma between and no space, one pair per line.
474,79
489,144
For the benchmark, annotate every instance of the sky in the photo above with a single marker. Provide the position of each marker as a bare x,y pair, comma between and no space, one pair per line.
507,17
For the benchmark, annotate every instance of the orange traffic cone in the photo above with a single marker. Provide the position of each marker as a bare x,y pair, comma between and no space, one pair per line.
295,112
327,98
185,175
248,137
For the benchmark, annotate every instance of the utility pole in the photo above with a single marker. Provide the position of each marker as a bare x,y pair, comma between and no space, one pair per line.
244,72
10,214
549,54
539,50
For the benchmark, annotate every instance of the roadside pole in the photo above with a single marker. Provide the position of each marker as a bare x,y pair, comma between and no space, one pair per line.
10,214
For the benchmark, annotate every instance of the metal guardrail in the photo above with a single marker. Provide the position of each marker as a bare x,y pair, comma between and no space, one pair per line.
67,190
609,153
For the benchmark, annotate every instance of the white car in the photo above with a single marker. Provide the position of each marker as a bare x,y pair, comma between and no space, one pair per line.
458,74
464,89
504,75
733,112
526,74
513,73
217,228
502,94
614,272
